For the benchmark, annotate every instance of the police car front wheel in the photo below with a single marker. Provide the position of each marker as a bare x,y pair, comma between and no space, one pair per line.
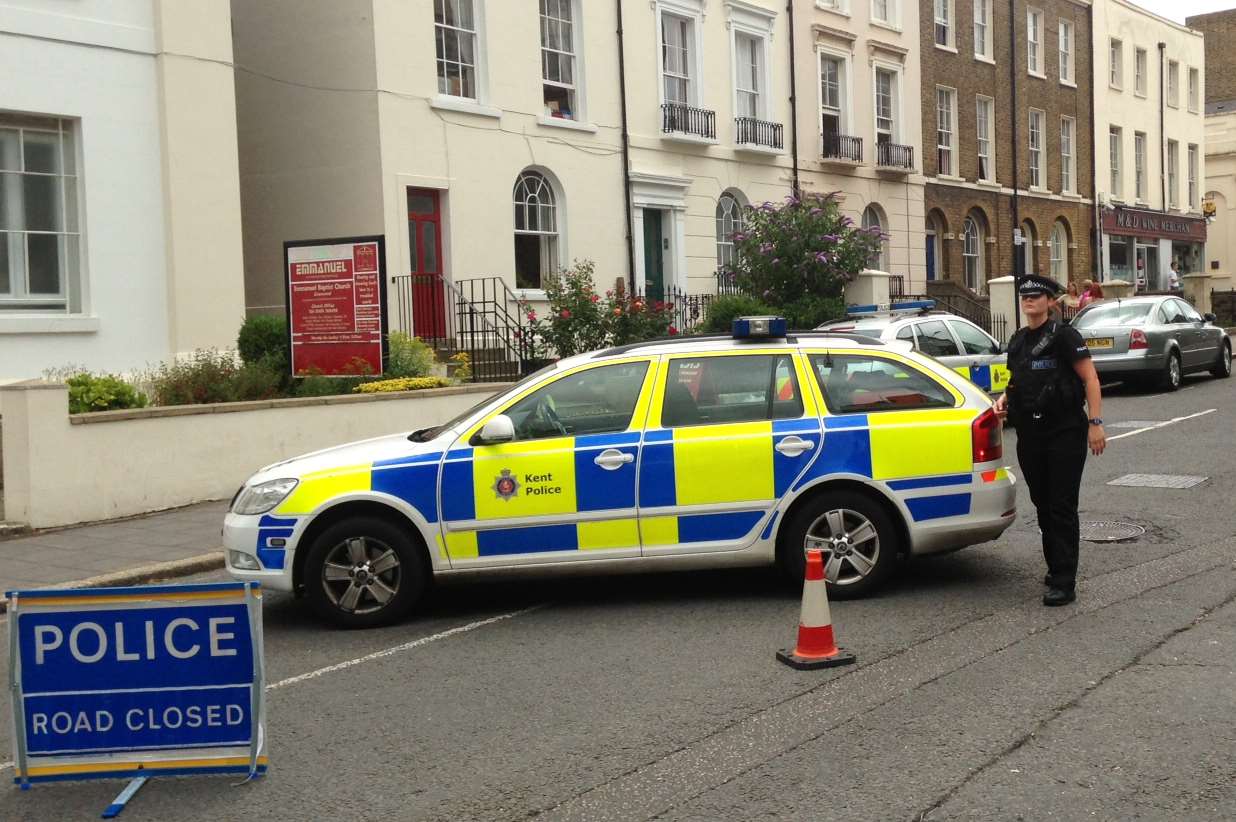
855,533
363,572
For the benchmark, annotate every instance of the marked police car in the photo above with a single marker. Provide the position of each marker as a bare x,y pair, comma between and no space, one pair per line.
719,451
953,340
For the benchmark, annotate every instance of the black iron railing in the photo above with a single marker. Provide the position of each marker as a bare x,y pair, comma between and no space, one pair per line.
750,131
896,285
843,147
727,282
688,309
973,309
477,318
892,155
683,119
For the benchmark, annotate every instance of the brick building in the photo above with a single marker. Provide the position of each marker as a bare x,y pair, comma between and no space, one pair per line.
989,103
1219,176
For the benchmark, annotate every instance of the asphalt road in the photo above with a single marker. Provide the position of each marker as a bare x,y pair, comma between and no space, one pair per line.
658,696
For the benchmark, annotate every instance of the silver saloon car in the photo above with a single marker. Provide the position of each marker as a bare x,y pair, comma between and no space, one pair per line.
1153,339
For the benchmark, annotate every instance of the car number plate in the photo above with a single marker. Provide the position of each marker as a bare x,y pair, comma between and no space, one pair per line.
1100,342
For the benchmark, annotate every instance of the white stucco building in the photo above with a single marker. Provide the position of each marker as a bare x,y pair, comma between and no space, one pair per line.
485,139
120,236
1149,135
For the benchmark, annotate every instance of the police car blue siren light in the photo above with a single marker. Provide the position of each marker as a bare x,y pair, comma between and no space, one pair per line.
755,327
909,305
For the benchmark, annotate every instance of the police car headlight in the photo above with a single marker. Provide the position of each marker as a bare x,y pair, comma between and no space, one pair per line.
260,498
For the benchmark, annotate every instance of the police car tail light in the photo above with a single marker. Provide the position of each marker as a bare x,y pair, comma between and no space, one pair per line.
1138,339
987,437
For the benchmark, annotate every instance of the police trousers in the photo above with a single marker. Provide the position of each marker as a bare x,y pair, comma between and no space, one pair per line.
1051,463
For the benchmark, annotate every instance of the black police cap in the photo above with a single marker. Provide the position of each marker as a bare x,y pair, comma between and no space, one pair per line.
1033,285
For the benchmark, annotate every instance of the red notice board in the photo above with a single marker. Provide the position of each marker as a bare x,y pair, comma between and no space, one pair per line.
336,301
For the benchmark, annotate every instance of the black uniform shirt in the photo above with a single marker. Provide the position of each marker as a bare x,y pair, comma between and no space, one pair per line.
1028,371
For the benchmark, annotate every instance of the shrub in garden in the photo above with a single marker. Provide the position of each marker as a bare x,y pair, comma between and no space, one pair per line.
799,255
101,392
401,384
631,319
207,376
721,312
263,338
408,356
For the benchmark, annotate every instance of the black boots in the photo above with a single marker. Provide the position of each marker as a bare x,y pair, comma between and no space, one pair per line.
1059,596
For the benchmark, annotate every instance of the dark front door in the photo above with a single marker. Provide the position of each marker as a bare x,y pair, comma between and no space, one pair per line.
654,258
931,256
425,246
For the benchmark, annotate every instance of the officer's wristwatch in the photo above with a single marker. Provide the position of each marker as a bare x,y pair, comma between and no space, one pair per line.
1096,420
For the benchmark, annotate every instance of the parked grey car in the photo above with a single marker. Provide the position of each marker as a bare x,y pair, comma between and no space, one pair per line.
1155,339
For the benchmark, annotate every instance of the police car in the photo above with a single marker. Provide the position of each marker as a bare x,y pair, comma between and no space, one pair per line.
954,341
718,451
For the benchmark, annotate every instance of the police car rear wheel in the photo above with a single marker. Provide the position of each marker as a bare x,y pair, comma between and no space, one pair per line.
362,573
856,535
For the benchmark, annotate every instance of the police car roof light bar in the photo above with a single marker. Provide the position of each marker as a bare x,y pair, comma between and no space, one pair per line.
910,306
761,327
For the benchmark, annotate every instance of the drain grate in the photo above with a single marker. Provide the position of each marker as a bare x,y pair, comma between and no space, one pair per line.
1132,424
1158,480
1110,531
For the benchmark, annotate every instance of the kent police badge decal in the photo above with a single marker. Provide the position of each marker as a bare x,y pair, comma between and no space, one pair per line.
505,486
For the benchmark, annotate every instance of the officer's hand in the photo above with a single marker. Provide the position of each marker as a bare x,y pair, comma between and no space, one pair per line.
1098,439
1001,406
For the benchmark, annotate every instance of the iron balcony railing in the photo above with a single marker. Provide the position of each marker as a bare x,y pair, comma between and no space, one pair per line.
750,131
678,118
843,147
892,155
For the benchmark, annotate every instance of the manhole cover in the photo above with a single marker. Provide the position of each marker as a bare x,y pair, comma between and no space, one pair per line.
1158,480
1110,531
1132,424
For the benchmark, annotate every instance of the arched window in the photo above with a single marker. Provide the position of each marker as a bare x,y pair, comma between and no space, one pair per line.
933,242
536,230
729,220
873,219
1060,253
1027,247
972,254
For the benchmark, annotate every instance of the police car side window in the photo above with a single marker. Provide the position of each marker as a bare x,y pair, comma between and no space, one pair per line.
906,333
594,401
934,340
710,390
858,384
972,340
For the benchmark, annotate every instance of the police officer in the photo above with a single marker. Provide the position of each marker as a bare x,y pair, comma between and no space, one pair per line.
1051,376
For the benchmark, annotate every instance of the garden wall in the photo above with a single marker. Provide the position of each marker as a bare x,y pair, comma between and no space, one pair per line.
62,468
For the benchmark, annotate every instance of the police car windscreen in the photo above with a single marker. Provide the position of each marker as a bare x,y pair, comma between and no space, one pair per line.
1107,314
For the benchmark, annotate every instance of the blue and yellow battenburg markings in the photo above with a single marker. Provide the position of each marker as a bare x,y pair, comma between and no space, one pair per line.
990,377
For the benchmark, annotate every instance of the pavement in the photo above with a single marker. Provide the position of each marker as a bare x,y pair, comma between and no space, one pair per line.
116,552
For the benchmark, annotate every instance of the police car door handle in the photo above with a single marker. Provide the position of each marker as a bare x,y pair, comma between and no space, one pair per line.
793,446
611,459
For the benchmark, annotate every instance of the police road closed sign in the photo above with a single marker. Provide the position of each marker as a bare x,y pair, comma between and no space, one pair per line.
112,682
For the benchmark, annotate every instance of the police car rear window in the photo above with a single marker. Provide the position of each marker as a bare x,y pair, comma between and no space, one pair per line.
855,384
711,390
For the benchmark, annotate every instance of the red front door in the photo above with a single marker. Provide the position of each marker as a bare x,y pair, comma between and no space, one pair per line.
425,244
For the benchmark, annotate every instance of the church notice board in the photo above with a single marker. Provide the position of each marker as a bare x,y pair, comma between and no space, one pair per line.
336,305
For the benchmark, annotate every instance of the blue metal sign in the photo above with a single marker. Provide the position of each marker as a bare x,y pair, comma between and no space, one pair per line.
111,682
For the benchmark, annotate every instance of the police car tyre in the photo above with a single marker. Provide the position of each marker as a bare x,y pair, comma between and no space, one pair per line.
1172,372
857,535
363,572
1223,368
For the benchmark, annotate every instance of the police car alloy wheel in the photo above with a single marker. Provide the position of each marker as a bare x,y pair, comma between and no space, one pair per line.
857,536
363,572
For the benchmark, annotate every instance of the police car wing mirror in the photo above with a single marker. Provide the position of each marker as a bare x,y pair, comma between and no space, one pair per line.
499,429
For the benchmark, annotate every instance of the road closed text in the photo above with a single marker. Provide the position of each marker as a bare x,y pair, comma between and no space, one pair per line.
168,717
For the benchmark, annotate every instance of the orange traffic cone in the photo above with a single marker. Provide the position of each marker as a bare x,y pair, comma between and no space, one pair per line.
816,647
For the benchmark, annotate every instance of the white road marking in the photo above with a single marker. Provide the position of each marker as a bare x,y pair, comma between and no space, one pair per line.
407,646
1162,424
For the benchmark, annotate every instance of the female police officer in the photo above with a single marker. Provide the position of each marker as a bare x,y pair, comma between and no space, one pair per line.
1051,375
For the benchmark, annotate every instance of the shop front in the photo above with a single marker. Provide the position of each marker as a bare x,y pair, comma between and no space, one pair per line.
1139,246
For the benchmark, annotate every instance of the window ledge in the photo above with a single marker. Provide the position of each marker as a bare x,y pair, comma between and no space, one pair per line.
983,58
987,183
1115,87
1068,83
953,178
752,148
464,105
1140,94
1037,74
531,294
1071,195
60,324
560,122
949,49
682,137
832,9
1038,190
1173,105
884,24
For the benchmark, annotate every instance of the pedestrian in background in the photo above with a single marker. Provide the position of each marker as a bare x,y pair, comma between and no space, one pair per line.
1173,278
1052,375
1085,295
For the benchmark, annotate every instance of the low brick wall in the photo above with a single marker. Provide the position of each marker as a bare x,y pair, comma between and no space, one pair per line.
62,468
